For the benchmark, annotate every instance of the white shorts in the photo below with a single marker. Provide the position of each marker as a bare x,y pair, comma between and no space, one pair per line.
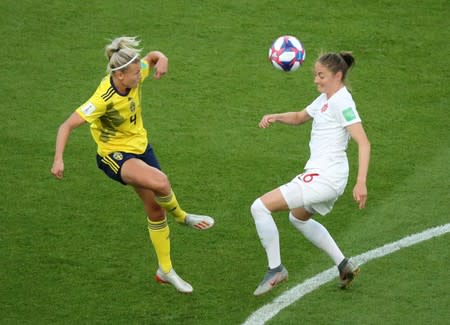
312,191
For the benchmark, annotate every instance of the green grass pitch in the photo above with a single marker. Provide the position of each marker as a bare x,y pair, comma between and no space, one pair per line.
77,251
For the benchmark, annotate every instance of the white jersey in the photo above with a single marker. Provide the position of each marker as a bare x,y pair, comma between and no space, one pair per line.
329,136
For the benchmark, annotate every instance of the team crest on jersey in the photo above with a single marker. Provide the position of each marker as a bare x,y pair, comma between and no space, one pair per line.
132,107
324,108
117,156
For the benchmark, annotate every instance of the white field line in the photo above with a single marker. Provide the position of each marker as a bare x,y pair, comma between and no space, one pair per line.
290,296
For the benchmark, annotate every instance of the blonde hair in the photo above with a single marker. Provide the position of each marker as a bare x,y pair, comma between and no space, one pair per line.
121,52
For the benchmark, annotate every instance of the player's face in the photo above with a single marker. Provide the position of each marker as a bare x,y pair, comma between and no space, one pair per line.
326,81
132,75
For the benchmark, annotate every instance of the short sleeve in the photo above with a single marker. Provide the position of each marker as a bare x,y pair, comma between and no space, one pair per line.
348,115
91,110
145,69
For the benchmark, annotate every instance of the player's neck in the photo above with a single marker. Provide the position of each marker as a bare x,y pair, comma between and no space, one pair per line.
119,86
334,90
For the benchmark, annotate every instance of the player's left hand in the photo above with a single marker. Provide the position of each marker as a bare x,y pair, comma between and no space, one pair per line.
161,67
360,194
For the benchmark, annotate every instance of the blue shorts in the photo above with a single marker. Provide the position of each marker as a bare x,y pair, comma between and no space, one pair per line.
112,163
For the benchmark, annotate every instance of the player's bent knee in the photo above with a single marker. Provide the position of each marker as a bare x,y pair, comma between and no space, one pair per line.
161,185
158,182
254,206
258,207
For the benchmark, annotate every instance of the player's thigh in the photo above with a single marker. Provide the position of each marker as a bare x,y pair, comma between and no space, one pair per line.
274,201
137,173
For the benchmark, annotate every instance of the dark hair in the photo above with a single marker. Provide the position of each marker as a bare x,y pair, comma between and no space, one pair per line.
336,62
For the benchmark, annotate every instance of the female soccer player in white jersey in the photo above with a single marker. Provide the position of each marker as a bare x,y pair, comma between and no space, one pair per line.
325,175
124,154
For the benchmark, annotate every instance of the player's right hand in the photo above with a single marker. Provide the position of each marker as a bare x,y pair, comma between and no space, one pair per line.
58,169
266,121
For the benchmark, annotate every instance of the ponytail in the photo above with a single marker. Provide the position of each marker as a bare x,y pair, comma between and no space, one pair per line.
121,52
336,62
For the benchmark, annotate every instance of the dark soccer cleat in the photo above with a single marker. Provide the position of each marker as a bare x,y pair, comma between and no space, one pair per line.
347,272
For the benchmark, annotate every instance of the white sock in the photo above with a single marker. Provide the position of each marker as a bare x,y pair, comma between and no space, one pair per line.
267,232
317,234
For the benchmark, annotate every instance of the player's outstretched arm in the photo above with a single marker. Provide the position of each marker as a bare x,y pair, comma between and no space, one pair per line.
359,135
292,118
74,121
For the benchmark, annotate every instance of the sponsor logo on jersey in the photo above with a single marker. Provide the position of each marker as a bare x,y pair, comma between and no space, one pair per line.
88,109
349,115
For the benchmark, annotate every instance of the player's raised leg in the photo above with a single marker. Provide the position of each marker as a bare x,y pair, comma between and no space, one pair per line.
171,205
142,176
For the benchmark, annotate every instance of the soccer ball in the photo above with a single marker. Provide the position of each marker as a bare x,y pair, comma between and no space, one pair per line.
287,53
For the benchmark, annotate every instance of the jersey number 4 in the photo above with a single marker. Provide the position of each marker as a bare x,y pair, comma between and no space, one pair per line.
133,119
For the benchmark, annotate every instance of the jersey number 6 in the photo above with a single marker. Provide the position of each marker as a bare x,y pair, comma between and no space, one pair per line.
307,178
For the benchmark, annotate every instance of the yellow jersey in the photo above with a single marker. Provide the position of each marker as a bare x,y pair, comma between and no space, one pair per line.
115,119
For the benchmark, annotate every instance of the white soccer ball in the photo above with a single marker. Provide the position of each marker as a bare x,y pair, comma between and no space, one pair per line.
287,53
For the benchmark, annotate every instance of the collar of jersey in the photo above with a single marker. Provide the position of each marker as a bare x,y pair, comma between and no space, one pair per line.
116,90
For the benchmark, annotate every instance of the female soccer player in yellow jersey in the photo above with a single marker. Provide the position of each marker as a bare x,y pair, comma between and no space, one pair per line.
124,154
